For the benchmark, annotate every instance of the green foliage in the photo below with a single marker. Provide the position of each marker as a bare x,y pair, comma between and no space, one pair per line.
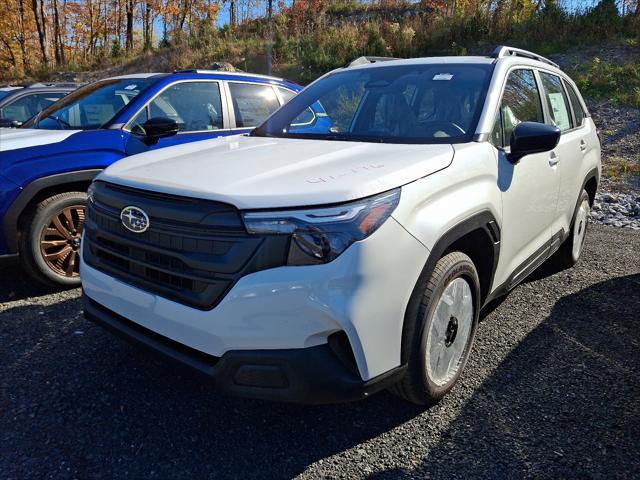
603,21
346,7
617,167
315,36
376,44
116,49
618,83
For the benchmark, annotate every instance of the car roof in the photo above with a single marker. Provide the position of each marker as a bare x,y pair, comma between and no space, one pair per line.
470,60
425,61
134,75
194,74
503,55
197,73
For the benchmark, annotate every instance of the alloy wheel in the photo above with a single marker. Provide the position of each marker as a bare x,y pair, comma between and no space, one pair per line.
60,241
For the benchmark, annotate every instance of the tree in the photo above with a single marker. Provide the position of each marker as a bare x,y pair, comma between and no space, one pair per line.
41,24
232,13
148,16
58,43
129,13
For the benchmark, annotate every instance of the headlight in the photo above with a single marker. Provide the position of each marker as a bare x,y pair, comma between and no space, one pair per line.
318,235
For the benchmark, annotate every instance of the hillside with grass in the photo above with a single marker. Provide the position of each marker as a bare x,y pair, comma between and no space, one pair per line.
303,39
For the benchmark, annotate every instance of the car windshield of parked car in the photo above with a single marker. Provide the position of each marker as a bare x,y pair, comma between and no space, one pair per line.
419,103
90,107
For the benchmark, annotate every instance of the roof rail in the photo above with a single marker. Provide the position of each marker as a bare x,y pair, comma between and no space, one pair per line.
505,51
55,84
366,60
226,72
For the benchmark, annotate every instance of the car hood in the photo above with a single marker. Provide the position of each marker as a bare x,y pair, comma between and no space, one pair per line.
259,172
15,138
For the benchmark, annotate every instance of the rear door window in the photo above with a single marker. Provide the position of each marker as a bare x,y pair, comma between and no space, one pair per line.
252,103
557,101
285,94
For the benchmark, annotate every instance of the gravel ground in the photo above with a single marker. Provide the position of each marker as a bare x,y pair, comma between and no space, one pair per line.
551,391
618,199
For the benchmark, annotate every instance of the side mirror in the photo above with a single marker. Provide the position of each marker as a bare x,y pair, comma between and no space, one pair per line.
7,123
159,127
532,137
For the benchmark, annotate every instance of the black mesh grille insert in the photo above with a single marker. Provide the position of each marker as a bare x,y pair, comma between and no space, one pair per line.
193,251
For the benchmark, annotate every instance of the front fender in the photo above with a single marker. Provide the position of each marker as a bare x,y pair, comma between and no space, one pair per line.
92,149
77,159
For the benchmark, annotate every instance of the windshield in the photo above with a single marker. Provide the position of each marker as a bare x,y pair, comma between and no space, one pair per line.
427,103
90,107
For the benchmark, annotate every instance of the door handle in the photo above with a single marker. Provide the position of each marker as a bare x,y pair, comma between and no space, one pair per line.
583,146
553,159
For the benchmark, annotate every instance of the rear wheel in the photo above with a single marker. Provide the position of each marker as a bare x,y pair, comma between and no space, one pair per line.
569,252
441,334
50,239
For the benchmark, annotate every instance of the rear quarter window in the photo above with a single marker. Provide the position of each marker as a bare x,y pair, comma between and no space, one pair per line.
578,110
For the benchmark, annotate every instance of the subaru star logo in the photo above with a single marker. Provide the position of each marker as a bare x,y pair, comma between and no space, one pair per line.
134,219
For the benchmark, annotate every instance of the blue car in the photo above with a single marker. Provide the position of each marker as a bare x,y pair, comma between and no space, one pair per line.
48,163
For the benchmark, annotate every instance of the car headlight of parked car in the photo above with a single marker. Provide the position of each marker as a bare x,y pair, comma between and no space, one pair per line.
319,235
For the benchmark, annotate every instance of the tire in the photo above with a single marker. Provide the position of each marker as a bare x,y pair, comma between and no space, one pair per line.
437,330
569,252
50,239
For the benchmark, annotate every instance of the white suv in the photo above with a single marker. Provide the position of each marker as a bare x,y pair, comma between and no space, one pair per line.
347,244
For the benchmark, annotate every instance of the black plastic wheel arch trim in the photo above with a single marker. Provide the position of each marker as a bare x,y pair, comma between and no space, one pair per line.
28,193
483,220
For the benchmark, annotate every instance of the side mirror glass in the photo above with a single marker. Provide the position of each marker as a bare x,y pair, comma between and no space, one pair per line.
532,137
159,127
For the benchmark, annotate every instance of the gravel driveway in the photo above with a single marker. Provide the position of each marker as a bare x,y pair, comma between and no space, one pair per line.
552,390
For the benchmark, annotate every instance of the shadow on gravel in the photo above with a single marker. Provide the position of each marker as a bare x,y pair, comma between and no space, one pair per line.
16,285
579,418
76,402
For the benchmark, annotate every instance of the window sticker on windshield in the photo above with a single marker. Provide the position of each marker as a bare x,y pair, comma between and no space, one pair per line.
133,86
443,76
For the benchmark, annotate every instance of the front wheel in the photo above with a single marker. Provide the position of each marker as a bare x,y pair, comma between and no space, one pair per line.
50,239
441,334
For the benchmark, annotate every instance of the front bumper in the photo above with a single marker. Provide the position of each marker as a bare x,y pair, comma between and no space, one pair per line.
362,293
312,375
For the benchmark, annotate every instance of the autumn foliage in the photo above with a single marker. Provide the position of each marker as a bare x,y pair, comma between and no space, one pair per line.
296,38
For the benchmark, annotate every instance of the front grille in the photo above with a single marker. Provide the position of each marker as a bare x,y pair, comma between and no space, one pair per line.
193,251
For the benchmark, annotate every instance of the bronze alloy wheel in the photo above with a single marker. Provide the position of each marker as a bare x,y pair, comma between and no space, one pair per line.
60,241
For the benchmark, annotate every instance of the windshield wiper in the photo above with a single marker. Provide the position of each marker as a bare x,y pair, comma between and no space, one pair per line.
345,137
332,136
